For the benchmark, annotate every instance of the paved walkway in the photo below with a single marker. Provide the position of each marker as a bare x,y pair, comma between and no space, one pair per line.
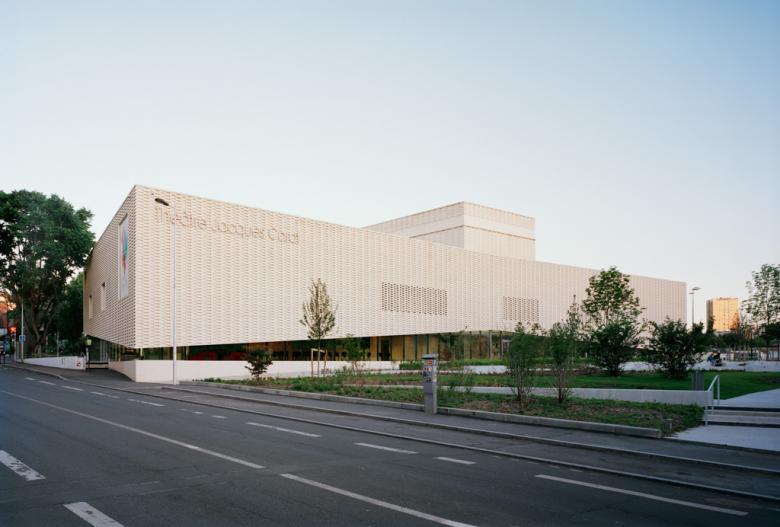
767,399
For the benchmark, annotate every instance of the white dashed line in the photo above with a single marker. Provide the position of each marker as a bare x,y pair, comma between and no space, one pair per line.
105,395
91,515
453,460
72,388
198,413
17,466
219,417
280,429
380,447
47,382
29,378
643,495
138,431
378,503
145,402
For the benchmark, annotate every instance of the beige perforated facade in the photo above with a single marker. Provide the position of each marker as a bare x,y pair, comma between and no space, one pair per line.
243,274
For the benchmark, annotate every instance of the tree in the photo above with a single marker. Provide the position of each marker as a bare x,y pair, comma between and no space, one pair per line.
69,315
43,242
563,339
672,347
612,329
521,360
259,360
319,316
613,344
354,350
763,302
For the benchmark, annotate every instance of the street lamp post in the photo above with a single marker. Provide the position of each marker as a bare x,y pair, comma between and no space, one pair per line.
693,291
173,273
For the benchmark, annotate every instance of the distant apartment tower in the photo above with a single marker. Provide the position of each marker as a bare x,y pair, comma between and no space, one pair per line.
723,312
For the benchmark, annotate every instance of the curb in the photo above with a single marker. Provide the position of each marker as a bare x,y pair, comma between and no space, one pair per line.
503,435
587,426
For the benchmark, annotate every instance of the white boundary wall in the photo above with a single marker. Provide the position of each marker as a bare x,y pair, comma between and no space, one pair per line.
68,363
190,370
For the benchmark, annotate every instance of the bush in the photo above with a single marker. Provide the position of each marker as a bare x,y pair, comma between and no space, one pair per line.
259,360
613,344
521,360
673,347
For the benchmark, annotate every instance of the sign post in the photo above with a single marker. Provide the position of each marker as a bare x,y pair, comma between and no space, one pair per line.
430,365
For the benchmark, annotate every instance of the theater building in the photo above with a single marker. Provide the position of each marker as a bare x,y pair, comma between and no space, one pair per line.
405,287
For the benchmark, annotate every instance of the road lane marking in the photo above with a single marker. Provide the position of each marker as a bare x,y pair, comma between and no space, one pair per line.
380,447
47,382
643,495
20,468
71,388
378,503
219,417
91,515
198,413
280,429
105,395
29,378
145,402
453,460
139,431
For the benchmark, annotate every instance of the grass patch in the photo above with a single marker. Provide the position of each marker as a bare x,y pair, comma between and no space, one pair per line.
733,383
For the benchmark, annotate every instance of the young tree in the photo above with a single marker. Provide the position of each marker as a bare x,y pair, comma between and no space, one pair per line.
319,317
672,347
354,350
563,339
69,315
612,310
43,242
763,302
259,360
521,360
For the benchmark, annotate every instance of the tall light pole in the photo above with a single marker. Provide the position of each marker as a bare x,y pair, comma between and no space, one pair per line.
173,273
693,291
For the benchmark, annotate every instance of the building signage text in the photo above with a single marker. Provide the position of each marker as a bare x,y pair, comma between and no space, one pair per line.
186,219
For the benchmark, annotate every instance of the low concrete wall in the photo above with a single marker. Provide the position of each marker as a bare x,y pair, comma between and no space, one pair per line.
638,396
187,370
67,363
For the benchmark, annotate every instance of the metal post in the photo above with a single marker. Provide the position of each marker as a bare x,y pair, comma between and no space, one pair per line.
23,338
173,293
430,365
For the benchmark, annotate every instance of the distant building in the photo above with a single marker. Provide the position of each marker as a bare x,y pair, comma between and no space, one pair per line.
723,313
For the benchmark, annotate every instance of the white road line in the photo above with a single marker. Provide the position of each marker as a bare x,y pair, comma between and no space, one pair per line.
378,503
105,395
380,447
145,402
17,466
643,495
219,417
453,460
47,382
139,431
280,429
91,515
29,378
198,413
71,388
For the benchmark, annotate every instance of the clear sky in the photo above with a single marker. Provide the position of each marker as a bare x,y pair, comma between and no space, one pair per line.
639,134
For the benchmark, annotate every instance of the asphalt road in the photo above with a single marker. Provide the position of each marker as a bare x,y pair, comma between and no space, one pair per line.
76,455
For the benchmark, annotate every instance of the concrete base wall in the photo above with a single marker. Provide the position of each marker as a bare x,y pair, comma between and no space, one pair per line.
68,363
189,370
639,396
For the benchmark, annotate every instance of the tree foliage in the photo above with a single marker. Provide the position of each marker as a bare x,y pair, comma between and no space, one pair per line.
672,347
354,351
521,359
763,302
43,242
319,315
69,315
613,330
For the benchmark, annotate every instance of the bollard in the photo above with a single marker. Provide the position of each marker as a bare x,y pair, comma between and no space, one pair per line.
698,380
430,365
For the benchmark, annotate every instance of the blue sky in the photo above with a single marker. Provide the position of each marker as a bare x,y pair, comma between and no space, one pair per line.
639,134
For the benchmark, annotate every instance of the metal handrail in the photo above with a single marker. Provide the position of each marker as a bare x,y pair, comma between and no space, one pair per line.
710,397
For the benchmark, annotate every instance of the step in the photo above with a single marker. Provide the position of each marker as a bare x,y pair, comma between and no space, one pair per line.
738,420
727,408
745,413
